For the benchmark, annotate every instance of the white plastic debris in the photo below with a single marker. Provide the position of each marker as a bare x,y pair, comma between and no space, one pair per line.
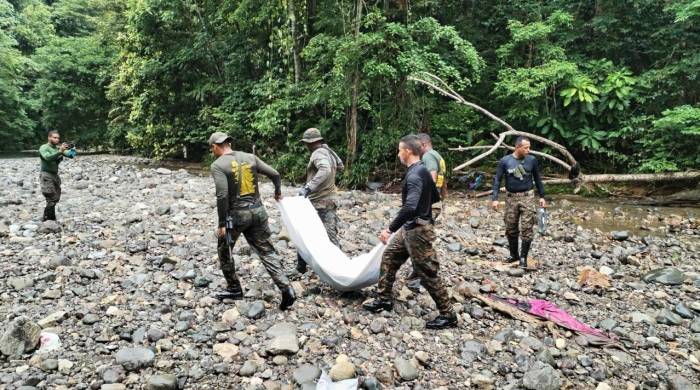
48,342
326,383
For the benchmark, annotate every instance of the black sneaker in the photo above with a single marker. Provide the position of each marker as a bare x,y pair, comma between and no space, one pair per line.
378,304
229,293
442,321
288,298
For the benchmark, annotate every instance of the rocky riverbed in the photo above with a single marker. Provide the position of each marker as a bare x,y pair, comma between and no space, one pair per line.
126,278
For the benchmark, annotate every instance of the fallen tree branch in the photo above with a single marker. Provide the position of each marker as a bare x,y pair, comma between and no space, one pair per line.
441,86
508,147
628,178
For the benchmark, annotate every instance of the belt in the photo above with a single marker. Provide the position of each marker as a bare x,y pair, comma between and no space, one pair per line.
520,194
252,206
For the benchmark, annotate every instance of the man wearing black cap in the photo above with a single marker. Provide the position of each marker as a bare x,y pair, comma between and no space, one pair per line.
320,187
237,196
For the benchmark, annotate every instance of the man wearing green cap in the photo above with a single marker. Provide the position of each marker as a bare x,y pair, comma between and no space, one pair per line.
237,197
320,187
51,154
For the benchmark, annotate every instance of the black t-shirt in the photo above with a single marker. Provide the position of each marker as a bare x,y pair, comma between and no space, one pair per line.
417,196
520,175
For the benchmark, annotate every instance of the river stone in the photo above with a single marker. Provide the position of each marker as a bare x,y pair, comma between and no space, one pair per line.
407,370
162,382
620,235
135,358
342,369
256,310
21,336
677,382
668,317
249,368
695,325
542,377
286,344
669,276
683,311
306,374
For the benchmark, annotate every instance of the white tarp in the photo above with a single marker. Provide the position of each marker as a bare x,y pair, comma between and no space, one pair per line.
332,266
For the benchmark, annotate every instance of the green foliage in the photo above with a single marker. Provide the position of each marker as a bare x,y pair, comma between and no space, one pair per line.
615,82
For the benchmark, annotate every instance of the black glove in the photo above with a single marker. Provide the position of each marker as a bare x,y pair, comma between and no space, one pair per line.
304,191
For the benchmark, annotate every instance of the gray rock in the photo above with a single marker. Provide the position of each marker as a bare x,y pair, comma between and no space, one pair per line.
474,222
49,227
668,317
164,171
49,365
163,209
155,334
678,382
286,344
249,368
695,325
545,356
90,319
135,358
668,276
542,377
608,324
20,283
516,272
620,235
454,247
281,329
256,310
407,371
21,336
113,374
683,311
162,382
306,374
376,326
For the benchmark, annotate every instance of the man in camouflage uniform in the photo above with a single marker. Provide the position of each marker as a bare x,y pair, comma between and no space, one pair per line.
437,168
413,237
237,196
51,154
521,171
320,187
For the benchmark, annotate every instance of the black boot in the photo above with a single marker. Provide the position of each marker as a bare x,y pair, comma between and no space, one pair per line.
442,321
301,264
233,291
513,247
50,213
379,304
523,253
288,298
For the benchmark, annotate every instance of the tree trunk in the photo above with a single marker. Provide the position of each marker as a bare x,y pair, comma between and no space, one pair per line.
291,14
354,91
628,178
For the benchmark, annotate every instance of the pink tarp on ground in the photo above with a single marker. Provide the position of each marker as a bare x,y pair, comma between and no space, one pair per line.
547,310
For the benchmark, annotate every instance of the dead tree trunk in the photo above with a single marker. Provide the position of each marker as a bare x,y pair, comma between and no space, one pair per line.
354,92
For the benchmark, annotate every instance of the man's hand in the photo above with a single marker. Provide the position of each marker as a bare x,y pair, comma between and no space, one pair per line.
304,191
494,205
278,196
384,236
63,147
543,203
221,232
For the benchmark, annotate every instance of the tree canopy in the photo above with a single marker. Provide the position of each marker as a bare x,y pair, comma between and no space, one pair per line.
616,82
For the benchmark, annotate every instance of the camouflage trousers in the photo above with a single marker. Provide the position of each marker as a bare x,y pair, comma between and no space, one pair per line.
50,187
520,216
252,223
417,244
326,210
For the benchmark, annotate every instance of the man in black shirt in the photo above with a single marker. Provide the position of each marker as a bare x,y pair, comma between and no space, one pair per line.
521,172
413,237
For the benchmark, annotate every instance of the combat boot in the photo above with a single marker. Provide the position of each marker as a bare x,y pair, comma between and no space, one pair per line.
513,247
288,298
523,253
233,291
379,304
442,321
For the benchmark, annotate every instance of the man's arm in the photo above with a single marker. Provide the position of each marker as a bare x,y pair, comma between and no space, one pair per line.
500,171
408,210
272,174
50,154
221,184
